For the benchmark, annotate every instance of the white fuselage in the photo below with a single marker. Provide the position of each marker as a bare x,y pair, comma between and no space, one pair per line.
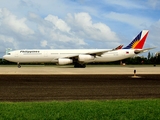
43,56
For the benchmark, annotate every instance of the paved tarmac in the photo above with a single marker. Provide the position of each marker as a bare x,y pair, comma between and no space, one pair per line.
69,69
47,83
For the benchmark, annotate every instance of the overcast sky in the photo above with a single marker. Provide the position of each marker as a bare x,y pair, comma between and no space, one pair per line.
58,24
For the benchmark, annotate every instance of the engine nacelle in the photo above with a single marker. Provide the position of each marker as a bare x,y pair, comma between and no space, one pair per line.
64,61
83,58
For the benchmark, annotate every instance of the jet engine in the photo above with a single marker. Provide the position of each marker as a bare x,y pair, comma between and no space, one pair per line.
64,61
83,58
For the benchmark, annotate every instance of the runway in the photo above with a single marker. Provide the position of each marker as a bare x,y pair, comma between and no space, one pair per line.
69,69
19,88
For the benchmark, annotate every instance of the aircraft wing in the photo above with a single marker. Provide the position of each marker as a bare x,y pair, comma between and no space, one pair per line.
143,50
96,53
99,53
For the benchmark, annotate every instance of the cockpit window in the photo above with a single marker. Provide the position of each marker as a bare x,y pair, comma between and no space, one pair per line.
8,53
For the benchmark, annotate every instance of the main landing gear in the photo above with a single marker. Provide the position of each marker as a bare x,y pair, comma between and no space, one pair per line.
18,64
78,65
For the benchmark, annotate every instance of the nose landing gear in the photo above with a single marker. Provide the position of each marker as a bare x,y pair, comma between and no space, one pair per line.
18,64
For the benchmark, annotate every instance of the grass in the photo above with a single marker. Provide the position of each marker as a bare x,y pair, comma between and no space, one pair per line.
82,110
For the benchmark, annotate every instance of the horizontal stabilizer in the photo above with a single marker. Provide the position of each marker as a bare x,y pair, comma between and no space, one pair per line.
143,50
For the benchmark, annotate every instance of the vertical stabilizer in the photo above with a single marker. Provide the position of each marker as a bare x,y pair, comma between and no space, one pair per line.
139,41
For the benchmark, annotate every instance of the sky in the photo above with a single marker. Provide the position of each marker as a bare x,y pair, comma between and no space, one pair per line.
77,24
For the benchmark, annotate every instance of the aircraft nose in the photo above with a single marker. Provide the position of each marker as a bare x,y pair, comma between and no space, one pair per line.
5,57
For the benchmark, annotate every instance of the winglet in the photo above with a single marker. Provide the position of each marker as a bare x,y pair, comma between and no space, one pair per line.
119,47
139,41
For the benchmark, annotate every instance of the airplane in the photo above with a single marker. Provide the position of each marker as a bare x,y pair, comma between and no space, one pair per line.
78,57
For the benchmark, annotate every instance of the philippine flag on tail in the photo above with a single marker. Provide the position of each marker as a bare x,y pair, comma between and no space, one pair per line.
139,41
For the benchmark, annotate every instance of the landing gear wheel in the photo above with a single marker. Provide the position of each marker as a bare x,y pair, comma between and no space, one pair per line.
84,65
19,66
78,65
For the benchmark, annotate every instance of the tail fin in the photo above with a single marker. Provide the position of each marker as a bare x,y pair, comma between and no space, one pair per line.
139,41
